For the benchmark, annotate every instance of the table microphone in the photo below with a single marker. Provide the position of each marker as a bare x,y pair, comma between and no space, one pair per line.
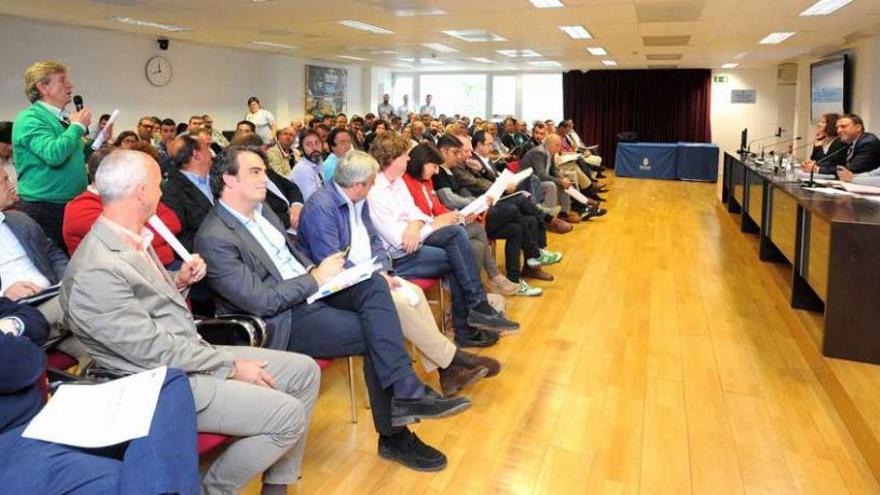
778,134
813,170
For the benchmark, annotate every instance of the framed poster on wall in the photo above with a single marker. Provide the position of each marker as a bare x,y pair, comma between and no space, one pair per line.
325,90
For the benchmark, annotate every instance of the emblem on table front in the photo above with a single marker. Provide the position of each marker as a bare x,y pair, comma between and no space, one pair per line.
646,164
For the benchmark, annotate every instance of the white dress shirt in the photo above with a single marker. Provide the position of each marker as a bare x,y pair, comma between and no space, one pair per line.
391,209
15,264
271,240
61,114
307,176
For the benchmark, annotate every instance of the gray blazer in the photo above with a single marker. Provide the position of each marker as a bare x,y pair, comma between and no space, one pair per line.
244,277
131,318
45,255
540,162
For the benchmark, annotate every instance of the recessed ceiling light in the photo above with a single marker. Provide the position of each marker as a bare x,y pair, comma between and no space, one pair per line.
740,55
147,24
482,60
415,12
519,53
776,38
546,4
609,63
272,44
363,26
474,35
408,60
825,7
431,61
730,66
545,63
597,51
439,48
352,57
576,32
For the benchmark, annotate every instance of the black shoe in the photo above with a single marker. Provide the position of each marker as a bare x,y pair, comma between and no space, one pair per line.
471,360
407,449
494,321
432,405
600,175
593,212
477,338
455,377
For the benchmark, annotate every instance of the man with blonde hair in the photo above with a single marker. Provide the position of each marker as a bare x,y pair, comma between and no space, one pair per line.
48,148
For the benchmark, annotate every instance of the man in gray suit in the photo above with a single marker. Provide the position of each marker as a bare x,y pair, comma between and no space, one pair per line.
130,314
254,268
553,185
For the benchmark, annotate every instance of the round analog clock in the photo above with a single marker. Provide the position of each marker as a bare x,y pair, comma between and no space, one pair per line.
158,71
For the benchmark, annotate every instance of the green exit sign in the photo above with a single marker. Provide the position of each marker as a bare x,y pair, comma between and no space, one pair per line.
720,79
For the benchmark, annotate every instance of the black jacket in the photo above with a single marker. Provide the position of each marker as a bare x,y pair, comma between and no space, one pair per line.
836,155
289,190
865,155
43,253
188,202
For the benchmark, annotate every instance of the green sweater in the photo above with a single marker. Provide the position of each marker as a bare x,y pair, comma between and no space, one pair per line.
49,159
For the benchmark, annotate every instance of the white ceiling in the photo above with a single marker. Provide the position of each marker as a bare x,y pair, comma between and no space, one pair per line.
719,30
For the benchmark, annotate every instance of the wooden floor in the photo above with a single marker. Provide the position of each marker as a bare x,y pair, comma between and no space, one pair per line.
645,368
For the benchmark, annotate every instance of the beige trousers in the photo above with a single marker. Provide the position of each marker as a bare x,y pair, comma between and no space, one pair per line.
420,328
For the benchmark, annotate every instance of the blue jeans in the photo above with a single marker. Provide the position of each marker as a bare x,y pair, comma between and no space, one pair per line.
447,253
165,461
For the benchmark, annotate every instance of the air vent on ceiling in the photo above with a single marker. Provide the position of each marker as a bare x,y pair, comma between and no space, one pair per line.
666,40
786,74
663,56
669,11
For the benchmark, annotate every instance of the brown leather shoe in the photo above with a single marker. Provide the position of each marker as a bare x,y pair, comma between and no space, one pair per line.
471,360
559,226
536,273
455,377
572,217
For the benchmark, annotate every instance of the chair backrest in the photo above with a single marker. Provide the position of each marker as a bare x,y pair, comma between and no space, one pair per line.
513,166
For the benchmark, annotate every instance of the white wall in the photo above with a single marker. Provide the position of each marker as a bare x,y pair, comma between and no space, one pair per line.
107,69
773,108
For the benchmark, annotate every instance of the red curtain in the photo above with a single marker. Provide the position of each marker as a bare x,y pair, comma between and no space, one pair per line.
659,105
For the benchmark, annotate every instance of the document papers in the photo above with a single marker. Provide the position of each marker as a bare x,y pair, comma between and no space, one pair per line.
504,180
576,195
860,188
163,230
345,279
100,415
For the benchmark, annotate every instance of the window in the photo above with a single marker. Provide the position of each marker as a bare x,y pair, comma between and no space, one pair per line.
402,85
503,96
541,97
463,94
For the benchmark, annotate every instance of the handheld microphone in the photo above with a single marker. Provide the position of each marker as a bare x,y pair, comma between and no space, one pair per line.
78,102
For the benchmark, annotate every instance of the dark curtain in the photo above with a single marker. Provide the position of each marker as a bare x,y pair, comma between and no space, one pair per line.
659,105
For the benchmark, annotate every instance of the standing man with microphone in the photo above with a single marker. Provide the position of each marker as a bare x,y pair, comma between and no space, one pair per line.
48,147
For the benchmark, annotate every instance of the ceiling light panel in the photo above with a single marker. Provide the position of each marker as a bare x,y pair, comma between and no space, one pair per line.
363,26
482,60
545,63
437,47
730,66
597,51
776,38
546,4
519,53
272,44
576,32
352,57
147,24
474,35
609,63
825,7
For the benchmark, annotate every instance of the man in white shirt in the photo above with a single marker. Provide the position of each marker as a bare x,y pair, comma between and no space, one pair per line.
405,109
386,109
429,247
428,108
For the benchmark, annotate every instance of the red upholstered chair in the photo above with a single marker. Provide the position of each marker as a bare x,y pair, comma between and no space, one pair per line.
513,166
427,284
352,396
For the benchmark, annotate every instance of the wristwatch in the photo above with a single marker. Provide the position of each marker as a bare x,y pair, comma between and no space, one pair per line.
17,324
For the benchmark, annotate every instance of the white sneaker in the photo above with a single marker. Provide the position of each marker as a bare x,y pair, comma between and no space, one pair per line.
527,290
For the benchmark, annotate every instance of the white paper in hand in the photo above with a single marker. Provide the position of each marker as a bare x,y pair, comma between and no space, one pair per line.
163,230
102,136
104,414
345,279
576,195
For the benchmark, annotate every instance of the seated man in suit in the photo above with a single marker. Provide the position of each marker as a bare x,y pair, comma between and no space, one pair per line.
164,461
256,269
337,218
186,189
553,184
863,148
130,314
29,263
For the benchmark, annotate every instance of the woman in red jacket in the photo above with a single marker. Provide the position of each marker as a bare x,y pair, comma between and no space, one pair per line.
423,164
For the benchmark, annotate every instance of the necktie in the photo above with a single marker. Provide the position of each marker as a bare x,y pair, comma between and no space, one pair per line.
849,153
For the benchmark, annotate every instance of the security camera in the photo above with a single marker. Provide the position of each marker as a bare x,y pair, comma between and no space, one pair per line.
163,43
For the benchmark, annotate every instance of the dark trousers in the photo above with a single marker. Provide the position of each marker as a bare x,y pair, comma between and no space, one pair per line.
530,209
506,221
360,320
165,461
50,216
446,253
